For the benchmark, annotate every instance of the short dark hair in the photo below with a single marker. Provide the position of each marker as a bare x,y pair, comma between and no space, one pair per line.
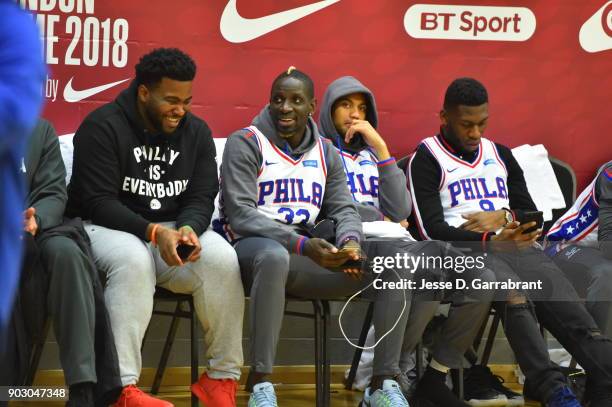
171,63
292,72
465,91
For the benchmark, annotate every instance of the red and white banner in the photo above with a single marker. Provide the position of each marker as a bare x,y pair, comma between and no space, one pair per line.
547,65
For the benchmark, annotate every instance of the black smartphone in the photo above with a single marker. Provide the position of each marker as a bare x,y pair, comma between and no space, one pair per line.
354,264
184,250
532,216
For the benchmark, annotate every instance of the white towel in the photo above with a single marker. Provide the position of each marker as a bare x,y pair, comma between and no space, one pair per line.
66,148
386,229
540,177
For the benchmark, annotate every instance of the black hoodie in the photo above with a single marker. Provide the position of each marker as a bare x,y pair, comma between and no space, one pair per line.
125,177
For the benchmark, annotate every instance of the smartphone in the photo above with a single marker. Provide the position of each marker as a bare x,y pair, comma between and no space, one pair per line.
184,250
354,264
532,216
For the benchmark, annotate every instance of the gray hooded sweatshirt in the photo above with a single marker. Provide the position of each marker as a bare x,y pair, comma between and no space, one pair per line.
394,200
241,163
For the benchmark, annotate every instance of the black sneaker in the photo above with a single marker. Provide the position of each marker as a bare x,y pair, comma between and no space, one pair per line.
479,390
81,395
432,391
497,383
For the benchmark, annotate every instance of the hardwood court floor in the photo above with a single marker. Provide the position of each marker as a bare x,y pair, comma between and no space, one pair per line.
288,396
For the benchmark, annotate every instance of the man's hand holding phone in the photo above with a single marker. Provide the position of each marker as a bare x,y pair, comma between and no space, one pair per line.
518,235
169,240
329,256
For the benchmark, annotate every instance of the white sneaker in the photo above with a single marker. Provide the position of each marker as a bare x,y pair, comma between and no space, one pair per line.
390,395
263,395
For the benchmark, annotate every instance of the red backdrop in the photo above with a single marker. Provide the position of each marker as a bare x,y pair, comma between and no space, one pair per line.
546,89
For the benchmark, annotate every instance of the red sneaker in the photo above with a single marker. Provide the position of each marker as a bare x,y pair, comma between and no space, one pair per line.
215,392
132,396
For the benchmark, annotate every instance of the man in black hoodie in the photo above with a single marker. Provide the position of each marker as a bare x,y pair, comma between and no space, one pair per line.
145,175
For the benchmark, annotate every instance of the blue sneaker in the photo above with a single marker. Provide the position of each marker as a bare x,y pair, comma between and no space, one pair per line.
563,397
390,395
263,396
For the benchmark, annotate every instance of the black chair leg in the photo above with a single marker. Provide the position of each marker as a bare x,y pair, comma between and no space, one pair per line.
318,352
457,377
478,339
163,361
348,384
194,351
419,360
325,353
37,350
490,339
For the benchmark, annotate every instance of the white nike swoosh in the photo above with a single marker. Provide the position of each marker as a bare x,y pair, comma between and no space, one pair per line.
235,28
71,95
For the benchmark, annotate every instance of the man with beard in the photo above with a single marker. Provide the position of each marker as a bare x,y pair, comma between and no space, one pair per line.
145,178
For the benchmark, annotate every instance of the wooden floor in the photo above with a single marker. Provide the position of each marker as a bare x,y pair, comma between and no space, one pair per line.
289,394
299,396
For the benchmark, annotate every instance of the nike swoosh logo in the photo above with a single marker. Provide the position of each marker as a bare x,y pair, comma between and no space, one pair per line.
71,95
237,29
269,163
447,170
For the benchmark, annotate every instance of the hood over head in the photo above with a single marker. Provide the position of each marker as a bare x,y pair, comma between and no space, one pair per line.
341,87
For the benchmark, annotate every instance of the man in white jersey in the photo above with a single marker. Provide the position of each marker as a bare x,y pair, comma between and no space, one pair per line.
378,186
580,243
278,176
470,191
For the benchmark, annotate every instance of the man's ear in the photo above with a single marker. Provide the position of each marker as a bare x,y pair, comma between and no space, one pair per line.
143,93
313,106
443,115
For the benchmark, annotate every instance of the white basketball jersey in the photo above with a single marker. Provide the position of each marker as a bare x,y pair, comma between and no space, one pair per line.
361,176
580,224
288,190
469,187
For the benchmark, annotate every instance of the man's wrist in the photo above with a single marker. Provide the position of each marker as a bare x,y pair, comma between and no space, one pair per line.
347,239
187,227
382,151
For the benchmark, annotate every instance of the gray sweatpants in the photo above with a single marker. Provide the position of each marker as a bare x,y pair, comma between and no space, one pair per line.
71,304
269,271
133,268
469,308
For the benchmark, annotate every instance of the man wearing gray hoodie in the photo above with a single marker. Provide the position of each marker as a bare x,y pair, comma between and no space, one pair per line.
378,187
278,177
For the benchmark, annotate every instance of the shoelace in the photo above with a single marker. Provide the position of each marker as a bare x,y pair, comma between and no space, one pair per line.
497,382
265,397
395,397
